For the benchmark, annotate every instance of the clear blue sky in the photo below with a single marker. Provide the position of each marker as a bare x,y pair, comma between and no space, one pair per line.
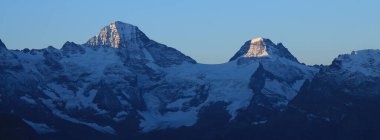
209,31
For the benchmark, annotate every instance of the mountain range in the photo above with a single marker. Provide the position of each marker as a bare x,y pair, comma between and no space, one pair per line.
120,84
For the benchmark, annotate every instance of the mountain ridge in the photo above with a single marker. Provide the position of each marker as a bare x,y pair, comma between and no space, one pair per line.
116,86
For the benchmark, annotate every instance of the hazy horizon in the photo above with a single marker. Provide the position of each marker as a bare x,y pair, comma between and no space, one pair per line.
210,32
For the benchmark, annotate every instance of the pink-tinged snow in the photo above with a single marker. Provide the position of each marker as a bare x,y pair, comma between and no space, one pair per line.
257,48
117,33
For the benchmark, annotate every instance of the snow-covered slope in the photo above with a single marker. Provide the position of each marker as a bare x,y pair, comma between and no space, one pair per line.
365,62
186,89
351,74
279,74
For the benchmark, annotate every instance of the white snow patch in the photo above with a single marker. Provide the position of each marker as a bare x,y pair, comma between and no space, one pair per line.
120,116
40,128
77,100
178,103
49,103
274,87
259,122
155,120
152,119
28,99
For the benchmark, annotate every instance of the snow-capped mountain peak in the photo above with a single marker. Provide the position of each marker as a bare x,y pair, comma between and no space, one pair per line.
119,34
134,46
263,48
257,48
366,62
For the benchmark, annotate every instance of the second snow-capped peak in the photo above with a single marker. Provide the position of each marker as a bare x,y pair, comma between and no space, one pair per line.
262,48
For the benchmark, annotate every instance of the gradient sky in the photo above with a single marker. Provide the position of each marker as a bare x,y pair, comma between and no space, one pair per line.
209,31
